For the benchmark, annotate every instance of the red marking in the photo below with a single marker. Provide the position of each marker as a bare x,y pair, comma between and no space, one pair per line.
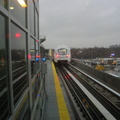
29,56
38,56
17,35
37,40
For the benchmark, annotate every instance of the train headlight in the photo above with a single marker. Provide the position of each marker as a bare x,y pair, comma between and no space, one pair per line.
57,56
67,55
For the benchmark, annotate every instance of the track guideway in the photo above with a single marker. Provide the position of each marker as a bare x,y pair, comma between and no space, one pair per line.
93,101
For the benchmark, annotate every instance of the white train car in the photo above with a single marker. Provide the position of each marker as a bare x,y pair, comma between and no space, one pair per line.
62,53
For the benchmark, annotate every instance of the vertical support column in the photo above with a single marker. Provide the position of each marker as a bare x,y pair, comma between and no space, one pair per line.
29,60
10,82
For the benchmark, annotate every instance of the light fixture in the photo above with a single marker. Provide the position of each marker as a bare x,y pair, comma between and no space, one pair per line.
11,8
22,3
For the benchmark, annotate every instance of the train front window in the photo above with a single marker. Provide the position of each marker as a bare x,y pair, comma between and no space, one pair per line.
62,51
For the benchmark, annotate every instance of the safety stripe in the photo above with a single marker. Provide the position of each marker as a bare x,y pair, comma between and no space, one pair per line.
63,111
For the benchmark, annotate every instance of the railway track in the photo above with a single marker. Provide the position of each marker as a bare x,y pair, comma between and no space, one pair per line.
92,99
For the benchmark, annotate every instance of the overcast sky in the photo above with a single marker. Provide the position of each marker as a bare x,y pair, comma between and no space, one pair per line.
80,23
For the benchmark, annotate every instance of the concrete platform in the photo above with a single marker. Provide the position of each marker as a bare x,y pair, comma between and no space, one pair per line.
57,106
51,108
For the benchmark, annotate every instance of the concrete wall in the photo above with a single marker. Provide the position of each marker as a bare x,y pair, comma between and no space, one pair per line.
111,81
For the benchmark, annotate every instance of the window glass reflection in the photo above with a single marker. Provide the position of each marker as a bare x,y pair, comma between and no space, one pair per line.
4,104
18,52
37,4
4,3
36,24
32,52
37,56
18,11
27,113
32,17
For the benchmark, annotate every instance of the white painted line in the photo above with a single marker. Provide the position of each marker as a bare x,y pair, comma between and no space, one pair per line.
102,109
118,94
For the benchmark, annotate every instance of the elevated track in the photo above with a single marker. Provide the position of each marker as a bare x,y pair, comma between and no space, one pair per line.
92,99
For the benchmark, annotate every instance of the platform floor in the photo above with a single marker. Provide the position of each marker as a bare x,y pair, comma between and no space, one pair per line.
57,106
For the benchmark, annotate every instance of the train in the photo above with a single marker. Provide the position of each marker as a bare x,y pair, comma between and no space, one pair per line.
62,53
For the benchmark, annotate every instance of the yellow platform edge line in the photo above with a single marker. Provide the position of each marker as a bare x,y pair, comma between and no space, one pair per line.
63,111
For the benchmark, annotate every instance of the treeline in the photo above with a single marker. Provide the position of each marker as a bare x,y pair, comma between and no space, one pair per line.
96,52
17,54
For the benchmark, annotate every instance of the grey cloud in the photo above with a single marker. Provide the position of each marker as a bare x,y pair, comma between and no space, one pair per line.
80,23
